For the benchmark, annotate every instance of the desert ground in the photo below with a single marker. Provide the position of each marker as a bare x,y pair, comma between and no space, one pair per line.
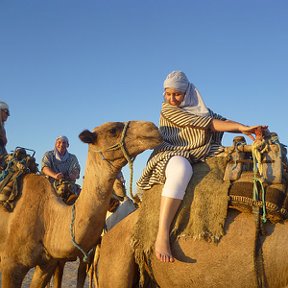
69,277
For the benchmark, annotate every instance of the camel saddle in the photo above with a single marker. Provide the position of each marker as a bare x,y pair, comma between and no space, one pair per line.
258,174
13,167
67,190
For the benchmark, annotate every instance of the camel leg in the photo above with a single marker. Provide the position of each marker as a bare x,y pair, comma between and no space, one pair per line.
58,274
13,275
116,267
95,265
90,274
168,209
81,274
42,275
85,268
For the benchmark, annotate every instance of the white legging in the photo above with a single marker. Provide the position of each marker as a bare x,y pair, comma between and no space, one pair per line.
178,174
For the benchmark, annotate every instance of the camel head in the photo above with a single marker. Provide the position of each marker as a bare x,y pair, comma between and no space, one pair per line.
109,139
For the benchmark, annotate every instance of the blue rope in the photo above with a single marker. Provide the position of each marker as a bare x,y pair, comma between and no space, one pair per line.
5,172
3,175
85,255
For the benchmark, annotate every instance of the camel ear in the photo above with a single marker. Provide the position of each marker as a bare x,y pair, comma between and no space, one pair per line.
87,137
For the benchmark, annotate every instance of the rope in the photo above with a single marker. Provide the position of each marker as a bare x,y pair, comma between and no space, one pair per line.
121,145
130,162
117,145
258,253
257,180
85,255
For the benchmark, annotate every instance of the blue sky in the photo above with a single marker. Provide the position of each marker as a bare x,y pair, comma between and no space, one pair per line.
70,65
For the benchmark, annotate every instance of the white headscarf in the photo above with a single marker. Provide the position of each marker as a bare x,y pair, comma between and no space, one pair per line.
192,101
4,106
63,138
58,156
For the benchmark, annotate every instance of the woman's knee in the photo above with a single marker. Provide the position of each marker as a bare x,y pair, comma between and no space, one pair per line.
179,166
178,174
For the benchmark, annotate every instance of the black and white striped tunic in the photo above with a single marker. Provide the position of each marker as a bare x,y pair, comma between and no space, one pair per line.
184,134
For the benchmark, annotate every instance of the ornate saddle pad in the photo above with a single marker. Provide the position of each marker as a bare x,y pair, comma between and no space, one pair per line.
67,190
13,167
259,179
273,196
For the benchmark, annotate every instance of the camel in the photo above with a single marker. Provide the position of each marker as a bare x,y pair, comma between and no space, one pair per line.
199,263
126,207
236,261
37,232
84,268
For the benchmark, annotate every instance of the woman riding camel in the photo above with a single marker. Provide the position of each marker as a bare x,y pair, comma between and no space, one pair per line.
191,132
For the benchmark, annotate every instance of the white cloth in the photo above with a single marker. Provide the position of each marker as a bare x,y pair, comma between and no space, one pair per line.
63,138
125,208
178,174
4,106
177,80
192,102
60,157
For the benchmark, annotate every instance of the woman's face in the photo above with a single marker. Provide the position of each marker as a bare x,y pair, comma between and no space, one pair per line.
173,97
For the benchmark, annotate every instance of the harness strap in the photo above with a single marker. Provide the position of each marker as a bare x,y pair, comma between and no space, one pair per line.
72,233
119,145
130,160
258,252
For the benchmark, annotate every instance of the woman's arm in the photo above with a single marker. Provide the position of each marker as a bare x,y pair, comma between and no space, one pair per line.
234,127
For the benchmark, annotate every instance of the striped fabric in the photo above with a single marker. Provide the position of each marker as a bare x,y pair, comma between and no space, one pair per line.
184,134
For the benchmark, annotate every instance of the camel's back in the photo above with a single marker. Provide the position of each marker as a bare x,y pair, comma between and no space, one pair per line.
35,192
36,186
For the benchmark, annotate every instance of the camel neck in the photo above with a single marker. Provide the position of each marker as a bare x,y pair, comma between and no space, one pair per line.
92,204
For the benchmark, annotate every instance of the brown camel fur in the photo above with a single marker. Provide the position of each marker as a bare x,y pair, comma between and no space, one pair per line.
37,232
84,268
198,263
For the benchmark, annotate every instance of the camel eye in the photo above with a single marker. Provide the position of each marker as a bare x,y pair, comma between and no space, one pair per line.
113,131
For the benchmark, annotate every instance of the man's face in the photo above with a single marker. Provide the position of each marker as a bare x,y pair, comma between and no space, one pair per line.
61,146
4,114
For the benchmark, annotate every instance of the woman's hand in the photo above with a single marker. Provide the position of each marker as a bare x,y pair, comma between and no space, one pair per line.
249,130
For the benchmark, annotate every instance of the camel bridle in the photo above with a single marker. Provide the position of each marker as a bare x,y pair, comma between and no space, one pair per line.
120,145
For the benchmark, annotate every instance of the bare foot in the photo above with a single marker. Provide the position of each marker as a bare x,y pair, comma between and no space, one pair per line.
162,249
